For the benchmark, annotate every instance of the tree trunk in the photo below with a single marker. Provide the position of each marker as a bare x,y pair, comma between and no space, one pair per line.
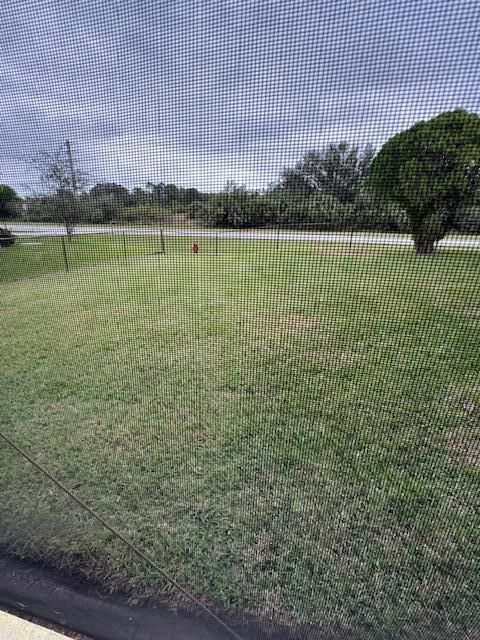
426,231
69,230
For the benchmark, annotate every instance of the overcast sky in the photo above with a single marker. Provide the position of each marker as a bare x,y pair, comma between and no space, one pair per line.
201,92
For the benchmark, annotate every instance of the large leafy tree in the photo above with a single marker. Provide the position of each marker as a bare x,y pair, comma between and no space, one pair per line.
8,197
111,190
163,194
339,170
168,194
432,170
187,196
138,196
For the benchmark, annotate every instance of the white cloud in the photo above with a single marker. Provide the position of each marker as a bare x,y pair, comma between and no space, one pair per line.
53,108
20,176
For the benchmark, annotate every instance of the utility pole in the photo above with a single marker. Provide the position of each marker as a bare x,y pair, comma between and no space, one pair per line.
73,179
72,169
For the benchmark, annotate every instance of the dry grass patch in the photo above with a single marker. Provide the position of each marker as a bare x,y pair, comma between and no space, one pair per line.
271,323
343,250
464,441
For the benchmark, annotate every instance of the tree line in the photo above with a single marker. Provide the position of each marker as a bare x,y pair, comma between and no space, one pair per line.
425,181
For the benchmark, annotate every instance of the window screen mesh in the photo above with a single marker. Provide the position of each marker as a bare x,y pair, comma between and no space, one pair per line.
234,324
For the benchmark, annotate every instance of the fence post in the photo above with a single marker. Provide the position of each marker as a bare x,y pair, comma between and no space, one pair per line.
124,245
64,249
216,243
162,241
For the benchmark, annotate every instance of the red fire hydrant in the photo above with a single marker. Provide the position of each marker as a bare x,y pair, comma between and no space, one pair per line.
195,247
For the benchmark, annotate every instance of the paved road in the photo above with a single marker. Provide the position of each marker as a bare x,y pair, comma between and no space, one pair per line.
37,230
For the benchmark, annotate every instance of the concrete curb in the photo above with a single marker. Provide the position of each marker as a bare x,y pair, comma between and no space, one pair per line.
13,628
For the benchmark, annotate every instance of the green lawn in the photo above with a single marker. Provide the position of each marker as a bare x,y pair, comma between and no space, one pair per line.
290,430
32,256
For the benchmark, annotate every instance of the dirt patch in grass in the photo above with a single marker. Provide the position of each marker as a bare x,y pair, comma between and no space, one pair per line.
464,440
270,607
332,356
284,324
342,250
473,312
295,321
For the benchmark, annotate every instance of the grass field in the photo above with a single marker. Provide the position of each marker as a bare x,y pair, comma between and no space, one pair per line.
32,256
291,430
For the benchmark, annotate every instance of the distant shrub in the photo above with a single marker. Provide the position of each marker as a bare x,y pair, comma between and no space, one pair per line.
194,210
376,214
143,214
235,209
6,237
468,220
103,207
8,200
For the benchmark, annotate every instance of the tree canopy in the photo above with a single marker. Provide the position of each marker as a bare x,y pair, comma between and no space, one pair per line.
106,189
339,170
167,194
432,170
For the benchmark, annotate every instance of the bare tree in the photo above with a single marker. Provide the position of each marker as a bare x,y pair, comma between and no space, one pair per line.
64,182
